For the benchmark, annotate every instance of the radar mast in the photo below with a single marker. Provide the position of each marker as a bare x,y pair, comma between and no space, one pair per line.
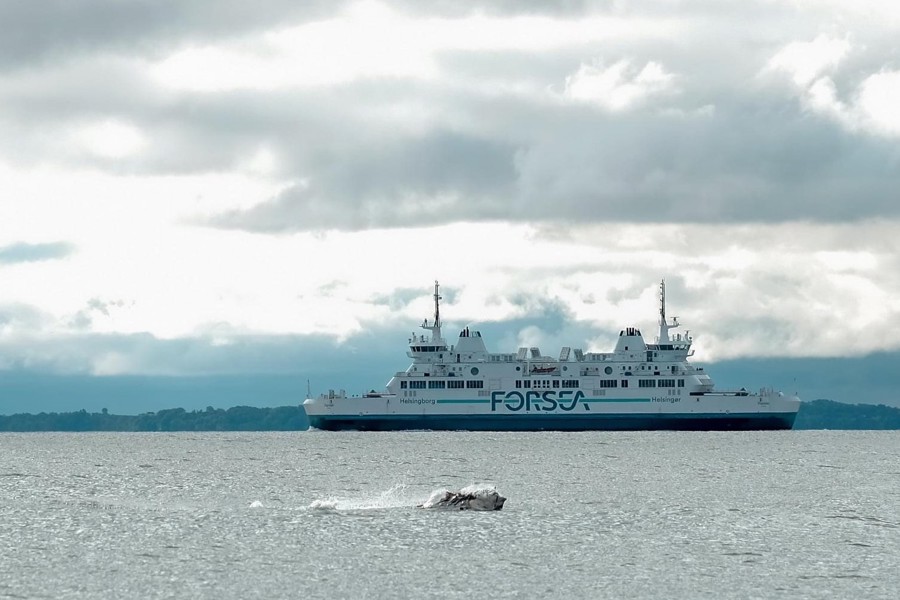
435,328
664,325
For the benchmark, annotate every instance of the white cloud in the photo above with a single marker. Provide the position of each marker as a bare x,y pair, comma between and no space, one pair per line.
878,102
370,40
784,290
619,86
871,107
109,138
807,61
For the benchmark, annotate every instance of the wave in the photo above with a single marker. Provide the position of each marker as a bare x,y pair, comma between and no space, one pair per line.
471,497
397,496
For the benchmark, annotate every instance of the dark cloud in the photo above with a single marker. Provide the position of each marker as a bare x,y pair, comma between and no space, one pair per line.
54,29
493,137
114,354
433,179
22,252
736,164
21,317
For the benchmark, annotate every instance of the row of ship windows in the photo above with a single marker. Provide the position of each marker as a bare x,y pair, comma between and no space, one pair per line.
472,384
663,383
438,384
603,383
546,383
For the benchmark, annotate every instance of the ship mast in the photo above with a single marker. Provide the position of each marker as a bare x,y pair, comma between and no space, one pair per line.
437,305
664,325
435,328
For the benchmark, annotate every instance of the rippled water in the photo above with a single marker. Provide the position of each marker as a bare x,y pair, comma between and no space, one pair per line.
332,515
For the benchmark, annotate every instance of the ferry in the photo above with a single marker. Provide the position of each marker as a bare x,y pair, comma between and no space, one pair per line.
637,386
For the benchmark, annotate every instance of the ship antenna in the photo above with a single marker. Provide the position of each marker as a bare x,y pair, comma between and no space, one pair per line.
435,328
662,302
437,305
664,325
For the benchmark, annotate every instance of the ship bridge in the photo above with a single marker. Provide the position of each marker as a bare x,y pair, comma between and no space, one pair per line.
431,347
679,346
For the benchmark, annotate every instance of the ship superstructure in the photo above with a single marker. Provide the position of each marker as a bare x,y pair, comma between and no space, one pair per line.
639,385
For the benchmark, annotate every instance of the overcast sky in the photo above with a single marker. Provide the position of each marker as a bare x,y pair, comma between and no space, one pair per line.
194,187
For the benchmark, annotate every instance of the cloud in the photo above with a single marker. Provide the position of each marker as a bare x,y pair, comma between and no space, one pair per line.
195,152
577,112
867,106
55,29
436,178
619,86
807,61
24,253
879,97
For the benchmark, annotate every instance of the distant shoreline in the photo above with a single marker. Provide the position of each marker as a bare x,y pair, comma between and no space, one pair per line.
818,414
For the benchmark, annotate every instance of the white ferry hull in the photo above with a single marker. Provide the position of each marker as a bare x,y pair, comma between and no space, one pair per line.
709,413
732,422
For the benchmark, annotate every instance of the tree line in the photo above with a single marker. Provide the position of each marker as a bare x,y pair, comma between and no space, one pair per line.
818,414
238,418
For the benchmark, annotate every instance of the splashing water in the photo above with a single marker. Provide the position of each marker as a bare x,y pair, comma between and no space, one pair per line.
397,496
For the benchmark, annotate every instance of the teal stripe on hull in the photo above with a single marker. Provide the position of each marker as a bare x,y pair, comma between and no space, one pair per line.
466,401
582,422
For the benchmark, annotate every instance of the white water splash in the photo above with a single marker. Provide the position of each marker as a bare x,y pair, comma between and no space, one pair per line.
397,496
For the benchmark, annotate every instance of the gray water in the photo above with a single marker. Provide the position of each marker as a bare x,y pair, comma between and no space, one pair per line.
796,514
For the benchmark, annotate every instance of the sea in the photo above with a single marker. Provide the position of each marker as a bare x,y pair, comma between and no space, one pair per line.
788,514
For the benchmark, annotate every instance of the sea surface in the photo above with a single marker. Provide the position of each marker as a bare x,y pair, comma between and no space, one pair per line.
791,514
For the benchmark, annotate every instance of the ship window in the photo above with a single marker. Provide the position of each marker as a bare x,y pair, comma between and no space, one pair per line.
474,371
417,385
436,385
473,384
518,383
670,383
526,384
556,383
624,383
681,383
646,383
456,384
402,385
607,370
608,383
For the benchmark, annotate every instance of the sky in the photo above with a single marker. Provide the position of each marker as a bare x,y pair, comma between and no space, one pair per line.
195,190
